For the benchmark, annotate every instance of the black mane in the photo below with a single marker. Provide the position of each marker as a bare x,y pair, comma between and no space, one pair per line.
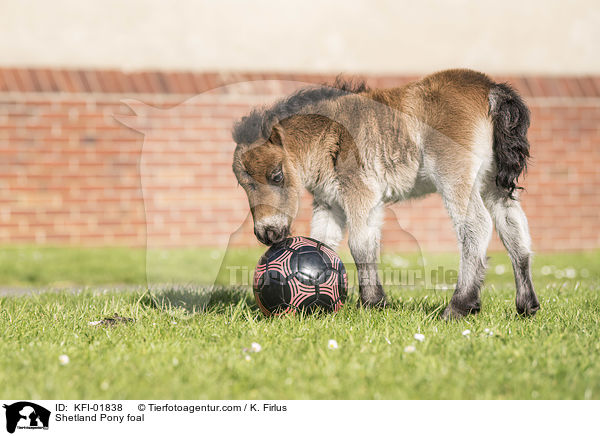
260,121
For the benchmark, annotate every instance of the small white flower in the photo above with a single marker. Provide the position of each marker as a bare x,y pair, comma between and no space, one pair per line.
409,349
94,322
63,359
467,332
173,322
248,358
559,274
255,347
486,330
546,270
419,337
570,273
175,361
104,385
500,269
332,344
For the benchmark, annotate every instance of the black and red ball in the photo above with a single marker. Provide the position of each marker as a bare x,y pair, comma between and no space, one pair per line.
300,274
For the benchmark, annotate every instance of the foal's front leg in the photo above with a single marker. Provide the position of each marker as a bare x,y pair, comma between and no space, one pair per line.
328,223
364,234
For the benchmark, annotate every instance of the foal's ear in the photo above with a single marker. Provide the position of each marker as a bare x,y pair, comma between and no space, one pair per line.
277,135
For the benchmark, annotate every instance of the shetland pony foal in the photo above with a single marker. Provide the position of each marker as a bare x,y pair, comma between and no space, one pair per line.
455,132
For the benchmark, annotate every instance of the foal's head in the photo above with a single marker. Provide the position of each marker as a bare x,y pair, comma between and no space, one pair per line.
267,173
265,167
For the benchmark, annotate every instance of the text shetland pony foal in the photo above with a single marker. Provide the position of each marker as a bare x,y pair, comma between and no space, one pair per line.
455,132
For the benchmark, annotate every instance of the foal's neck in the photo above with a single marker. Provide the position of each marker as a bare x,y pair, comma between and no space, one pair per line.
308,142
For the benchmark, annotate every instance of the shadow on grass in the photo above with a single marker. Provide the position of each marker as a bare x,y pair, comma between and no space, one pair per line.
216,299
430,308
194,300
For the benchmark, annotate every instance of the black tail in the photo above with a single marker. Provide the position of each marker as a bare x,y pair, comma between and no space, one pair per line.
510,117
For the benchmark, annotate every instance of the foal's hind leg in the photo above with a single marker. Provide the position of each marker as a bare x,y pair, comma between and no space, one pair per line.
511,224
473,226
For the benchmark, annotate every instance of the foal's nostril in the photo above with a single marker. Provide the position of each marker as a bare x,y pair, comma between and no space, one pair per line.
271,235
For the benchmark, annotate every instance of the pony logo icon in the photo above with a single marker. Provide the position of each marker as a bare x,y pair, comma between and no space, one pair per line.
26,415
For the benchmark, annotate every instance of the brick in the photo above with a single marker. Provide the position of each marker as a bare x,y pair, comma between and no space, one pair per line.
108,82
138,80
26,79
63,81
93,81
534,85
10,79
574,87
82,81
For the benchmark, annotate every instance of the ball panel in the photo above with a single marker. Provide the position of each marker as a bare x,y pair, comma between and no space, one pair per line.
258,274
331,256
276,250
302,241
310,267
281,263
261,306
326,275
273,291
333,291
299,292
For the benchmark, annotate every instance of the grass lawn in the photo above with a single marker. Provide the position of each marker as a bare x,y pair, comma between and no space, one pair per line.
188,340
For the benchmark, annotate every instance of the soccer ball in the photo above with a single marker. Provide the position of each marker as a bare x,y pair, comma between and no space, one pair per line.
299,274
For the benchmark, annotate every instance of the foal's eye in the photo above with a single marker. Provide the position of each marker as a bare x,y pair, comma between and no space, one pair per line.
277,176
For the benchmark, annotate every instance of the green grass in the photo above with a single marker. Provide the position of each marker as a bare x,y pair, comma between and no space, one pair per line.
188,341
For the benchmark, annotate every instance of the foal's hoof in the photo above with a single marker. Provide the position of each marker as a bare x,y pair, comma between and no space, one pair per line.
528,306
454,311
372,296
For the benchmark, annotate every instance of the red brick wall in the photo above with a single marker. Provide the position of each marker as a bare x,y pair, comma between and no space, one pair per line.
71,172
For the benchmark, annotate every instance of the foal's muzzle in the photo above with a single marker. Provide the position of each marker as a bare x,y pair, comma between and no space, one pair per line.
270,234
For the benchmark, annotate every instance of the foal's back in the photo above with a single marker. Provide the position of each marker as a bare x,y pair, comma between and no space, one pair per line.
450,102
